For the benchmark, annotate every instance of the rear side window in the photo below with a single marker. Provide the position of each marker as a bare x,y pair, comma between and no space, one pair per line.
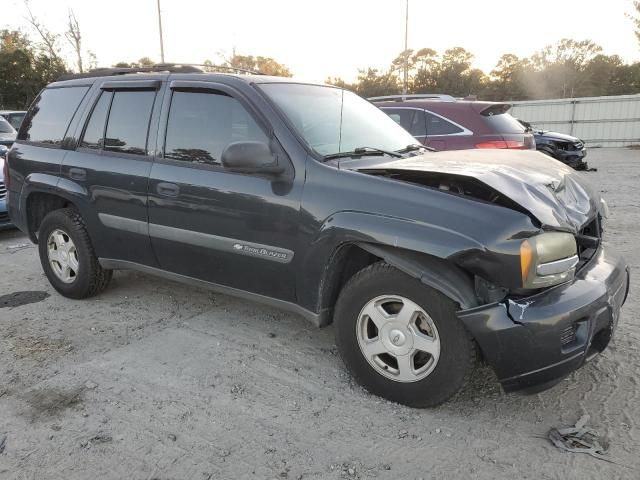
439,126
94,133
128,123
50,115
503,123
201,125
412,120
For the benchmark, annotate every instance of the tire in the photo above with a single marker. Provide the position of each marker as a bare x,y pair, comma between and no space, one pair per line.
85,277
454,359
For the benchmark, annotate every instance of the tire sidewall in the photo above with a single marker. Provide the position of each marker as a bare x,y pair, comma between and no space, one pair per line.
456,348
61,219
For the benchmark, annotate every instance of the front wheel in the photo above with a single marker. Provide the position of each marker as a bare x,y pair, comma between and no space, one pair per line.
402,339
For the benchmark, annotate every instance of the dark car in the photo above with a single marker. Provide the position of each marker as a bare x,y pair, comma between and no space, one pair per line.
445,123
7,133
14,117
309,198
563,147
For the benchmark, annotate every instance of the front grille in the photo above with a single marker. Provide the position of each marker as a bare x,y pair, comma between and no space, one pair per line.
3,191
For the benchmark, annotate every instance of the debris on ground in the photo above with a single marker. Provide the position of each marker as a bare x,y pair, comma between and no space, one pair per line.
100,437
3,443
579,439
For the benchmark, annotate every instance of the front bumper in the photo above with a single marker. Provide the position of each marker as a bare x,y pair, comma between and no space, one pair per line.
573,158
532,343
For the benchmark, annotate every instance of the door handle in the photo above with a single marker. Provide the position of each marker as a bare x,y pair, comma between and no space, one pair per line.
78,174
167,189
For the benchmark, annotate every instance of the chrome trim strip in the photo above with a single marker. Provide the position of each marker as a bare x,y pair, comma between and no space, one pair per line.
199,239
315,318
558,266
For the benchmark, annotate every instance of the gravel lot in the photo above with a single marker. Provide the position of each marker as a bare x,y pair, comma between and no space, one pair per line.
155,380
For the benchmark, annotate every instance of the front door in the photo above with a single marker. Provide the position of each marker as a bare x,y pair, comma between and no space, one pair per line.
233,229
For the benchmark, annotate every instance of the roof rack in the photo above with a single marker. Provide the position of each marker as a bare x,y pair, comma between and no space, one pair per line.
413,96
159,68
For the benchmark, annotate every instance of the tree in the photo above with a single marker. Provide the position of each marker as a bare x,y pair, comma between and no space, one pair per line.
74,37
635,18
373,83
265,65
49,39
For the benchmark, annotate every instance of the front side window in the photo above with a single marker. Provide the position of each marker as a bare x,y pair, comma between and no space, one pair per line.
128,123
439,126
332,120
202,124
50,115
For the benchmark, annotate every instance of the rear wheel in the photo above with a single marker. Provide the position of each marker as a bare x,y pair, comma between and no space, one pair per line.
67,256
401,339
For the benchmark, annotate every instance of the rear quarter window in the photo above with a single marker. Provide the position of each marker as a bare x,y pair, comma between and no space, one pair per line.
50,115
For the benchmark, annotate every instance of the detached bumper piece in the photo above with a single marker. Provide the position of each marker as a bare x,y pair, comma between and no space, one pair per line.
532,343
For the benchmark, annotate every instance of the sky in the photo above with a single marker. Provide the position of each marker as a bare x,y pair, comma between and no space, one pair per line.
321,38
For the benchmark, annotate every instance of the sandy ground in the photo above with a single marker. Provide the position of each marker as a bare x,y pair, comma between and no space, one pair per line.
155,380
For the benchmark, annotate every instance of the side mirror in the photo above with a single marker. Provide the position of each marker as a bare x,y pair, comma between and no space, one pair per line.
250,157
3,150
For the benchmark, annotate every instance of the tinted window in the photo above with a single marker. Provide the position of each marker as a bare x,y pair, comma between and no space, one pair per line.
128,123
410,119
94,132
439,126
201,125
504,123
5,127
15,119
51,114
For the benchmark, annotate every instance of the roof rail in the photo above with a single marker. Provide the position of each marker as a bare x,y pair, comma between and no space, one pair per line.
159,68
413,96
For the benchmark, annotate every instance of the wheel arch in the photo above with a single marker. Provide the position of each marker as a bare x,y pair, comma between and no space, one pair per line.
439,274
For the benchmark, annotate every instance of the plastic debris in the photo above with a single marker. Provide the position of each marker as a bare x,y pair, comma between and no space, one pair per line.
580,439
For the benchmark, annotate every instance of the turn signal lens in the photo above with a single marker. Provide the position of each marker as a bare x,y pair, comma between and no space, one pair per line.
526,260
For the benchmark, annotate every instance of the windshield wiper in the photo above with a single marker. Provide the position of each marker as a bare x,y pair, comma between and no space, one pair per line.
361,152
415,146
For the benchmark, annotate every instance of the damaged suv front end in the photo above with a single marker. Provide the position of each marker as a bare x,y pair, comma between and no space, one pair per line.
548,298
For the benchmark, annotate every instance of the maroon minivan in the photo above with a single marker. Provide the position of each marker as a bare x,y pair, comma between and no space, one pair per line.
445,123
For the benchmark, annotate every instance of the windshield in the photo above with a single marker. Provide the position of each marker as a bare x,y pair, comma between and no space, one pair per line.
332,120
5,127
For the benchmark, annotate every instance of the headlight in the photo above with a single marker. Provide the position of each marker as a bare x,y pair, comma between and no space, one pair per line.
548,259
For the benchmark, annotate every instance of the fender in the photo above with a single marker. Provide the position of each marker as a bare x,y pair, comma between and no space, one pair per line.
438,274
51,184
390,234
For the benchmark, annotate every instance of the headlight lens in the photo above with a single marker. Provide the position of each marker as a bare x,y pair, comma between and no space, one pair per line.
548,259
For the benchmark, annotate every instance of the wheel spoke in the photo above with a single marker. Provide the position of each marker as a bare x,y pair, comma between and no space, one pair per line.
373,348
407,313
426,344
375,313
405,368
73,260
59,239
54,256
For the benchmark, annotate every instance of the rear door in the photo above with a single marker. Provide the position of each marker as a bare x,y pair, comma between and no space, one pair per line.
232,229
111,166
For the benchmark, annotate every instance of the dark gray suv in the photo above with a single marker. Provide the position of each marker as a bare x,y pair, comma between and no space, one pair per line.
309,198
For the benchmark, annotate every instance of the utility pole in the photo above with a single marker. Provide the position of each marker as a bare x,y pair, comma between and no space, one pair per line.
160,29
406,47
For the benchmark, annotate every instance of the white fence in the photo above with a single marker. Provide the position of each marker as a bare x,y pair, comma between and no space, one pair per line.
598,121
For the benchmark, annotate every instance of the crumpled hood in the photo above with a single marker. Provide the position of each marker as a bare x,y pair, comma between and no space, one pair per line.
558,196
556,136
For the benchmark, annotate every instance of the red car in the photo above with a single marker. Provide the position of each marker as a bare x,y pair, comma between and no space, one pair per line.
445,123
